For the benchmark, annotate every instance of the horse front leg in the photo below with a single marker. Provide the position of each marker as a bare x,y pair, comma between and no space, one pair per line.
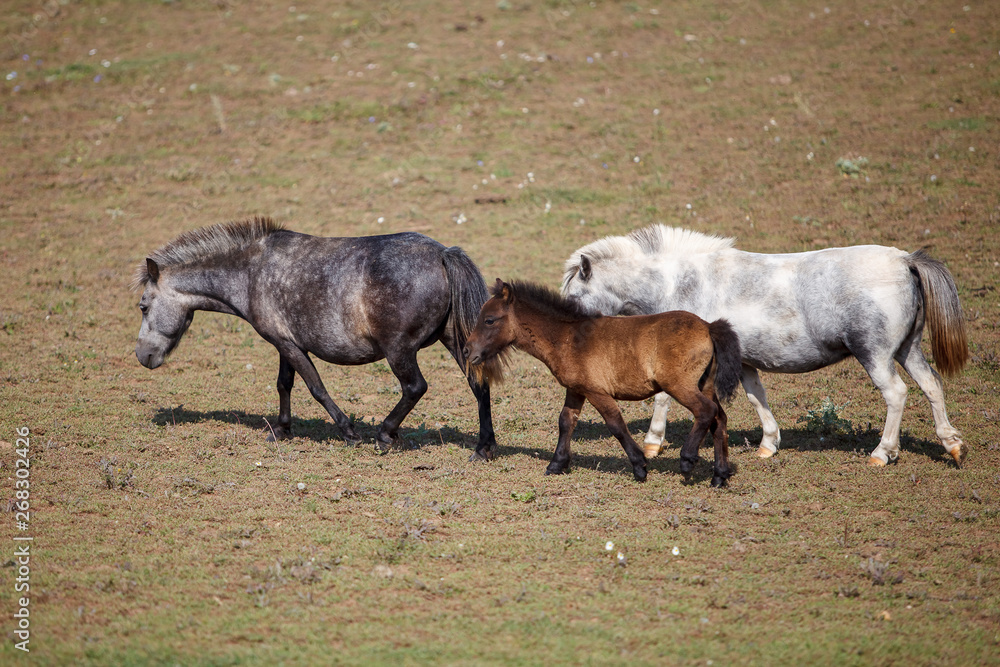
413,387
286,378
613,418
303,365
758,399
653,444
567,423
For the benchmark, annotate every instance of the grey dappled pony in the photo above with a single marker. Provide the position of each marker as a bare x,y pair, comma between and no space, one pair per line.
793,313
344,300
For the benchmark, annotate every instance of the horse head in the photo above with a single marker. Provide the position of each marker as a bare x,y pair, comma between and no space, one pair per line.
495,328
166,315
597,291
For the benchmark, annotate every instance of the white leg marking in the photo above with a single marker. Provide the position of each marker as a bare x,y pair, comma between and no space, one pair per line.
657,425
930,383
894,391
758,399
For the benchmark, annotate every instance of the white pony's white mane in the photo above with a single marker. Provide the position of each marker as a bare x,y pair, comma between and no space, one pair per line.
652,240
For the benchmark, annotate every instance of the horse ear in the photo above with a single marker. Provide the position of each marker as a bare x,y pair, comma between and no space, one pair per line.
586,270
152,269
506,293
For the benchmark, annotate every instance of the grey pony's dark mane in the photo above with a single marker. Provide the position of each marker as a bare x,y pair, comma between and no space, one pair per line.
205,242
546,301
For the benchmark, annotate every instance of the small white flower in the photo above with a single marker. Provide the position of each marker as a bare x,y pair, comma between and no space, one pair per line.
621,558
258,463
675,551
249,367
754,506
656,112
412,45
301,486
380,220
636,159
610,546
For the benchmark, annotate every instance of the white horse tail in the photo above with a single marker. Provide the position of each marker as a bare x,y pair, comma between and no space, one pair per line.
468,294
943,312
728,358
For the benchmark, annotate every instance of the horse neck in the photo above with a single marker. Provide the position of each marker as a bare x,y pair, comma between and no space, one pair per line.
220,288
540,335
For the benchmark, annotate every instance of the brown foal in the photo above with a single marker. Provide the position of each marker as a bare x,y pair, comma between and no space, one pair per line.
600,359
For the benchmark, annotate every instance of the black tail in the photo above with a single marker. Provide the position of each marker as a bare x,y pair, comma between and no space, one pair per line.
943,312
728,359
468,294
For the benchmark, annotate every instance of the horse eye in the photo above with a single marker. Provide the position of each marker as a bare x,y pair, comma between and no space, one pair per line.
489,321
143,307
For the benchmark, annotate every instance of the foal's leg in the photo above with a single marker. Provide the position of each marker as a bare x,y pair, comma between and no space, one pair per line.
758,399
613,417
303,365
286,378
912,359
721,471
883,374
567,422
487,446
413,386
704,412
653,444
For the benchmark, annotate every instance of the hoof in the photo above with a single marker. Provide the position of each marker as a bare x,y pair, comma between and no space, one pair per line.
687,466
640,473
959,454
279,433
719,481
556,470
484,456
652,451
876,462
764,452
383,443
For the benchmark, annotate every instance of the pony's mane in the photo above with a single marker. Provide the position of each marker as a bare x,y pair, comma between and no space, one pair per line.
652,240
546,301
205,242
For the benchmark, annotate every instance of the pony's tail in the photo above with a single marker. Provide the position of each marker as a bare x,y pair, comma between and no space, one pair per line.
468,294
728,358
943,312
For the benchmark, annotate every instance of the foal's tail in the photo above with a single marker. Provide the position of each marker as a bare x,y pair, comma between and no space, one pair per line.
468,294
728,358
943,312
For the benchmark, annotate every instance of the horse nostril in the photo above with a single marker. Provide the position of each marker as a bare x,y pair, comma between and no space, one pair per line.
465,351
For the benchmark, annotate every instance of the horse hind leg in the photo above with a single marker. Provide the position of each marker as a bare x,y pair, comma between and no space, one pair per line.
721,472
705,412
911,357
758,399
487,446
883,374
653,444
412,386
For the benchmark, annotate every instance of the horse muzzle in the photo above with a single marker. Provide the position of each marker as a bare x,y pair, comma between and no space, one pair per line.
148,357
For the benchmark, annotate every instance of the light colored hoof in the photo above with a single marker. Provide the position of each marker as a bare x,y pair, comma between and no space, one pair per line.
652,451
959,454
876,462
764,452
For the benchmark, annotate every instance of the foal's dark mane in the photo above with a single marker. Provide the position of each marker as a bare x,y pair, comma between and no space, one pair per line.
546,301
205,242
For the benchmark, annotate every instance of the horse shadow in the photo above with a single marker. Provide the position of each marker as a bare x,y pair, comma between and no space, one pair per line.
318,430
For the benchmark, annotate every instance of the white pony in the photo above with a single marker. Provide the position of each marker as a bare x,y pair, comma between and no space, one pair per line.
793,313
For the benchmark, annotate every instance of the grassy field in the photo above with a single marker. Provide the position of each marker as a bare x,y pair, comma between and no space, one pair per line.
166,530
